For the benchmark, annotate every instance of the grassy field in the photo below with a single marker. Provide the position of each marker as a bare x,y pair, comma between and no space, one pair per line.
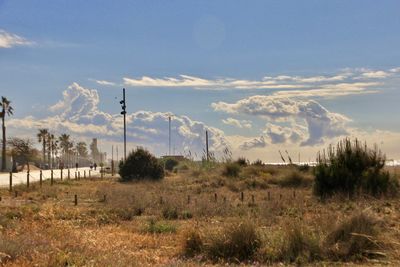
256,215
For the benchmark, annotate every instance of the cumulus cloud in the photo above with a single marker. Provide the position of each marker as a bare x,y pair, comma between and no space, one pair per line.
237,123
280,134
78,113
8,40
258,142
320,122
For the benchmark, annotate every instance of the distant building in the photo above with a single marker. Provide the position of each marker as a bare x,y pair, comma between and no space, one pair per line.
176,157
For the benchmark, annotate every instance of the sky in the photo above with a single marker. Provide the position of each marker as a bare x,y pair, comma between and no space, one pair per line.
260,76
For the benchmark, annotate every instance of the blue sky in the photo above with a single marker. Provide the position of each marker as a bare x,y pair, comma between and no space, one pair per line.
90,42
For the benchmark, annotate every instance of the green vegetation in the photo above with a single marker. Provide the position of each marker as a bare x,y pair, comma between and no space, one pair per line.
139,165
352,168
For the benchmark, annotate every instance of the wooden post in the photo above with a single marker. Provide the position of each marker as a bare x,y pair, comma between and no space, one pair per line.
89,173
10,181
242,196
294,194
27,179
76,200
104,198
280,196
40,178
84,174
61,174
69,176
51,177
79,175
269,195
76,176
215,197
101,172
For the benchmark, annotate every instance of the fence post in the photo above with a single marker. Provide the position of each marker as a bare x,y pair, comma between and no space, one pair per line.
76,176
241,196
89,173
27,179
294,194
69,176
79,175
76,200
269,195
10,181
40,178
61,175
101,173
84,174
51,178
215,197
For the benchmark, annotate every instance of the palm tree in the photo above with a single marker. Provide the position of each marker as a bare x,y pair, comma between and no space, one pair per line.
42,138
65,144
7,109
81,148
50,145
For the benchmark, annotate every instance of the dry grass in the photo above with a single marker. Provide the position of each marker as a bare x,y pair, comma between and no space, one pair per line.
195,215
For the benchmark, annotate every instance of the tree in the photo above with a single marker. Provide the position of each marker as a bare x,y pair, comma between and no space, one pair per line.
22,150
6,109
65,144
81,148
42,138
139,165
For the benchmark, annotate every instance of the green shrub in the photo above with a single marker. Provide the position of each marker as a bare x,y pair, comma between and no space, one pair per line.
242,161
170,163
353,239
299,246
237,242
170,213
257,162
155,227
231,170
139,165
294,179
350,168
192,244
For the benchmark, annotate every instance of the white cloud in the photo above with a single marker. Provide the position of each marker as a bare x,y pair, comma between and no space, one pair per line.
237,123
77,113
375,74
320,122
258,142
8,40
104,82
345,82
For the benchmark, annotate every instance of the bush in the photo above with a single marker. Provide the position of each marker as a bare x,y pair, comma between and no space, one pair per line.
257,162
231,170
139,165
350,168
299,246
192,244
294,179
170,213
155,227
237,242
353,238
242,161
170,164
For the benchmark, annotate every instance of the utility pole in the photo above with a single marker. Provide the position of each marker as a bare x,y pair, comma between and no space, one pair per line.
207,146
123,112
112,160
169,135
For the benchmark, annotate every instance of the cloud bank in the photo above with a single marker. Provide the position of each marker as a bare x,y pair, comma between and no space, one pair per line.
78,114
